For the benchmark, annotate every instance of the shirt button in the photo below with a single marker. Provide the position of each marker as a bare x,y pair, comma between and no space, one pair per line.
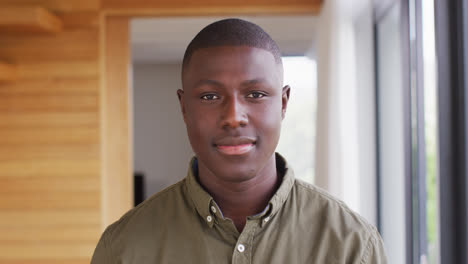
213,209
240,248
209,219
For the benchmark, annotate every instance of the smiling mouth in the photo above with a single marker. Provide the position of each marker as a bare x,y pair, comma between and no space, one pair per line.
235,149
235,145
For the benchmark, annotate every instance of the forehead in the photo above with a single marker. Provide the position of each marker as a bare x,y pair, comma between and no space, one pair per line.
241,62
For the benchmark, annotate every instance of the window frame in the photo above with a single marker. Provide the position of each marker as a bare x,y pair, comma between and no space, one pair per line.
451,18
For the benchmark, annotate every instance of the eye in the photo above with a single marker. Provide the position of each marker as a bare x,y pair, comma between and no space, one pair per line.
256,95
209,97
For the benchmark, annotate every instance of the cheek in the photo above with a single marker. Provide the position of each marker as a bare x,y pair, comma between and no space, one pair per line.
268,122
199,126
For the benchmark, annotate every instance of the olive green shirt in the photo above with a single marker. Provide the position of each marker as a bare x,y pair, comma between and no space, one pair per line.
183,224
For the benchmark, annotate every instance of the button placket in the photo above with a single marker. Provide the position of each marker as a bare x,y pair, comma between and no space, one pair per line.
243,249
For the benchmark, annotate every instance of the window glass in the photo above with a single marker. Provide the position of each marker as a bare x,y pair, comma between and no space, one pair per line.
430,125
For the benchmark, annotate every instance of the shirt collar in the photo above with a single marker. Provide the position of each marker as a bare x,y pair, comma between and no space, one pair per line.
203,201
287,183
199,196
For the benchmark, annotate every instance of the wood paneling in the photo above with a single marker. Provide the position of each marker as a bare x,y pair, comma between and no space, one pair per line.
43,219
115,118
48,120
84,19
212,11
50,184
52,152
40,200
46,261
56,5
28,19
49,136
50,234
50,103
210,7
41,69
52,86
38,251
8,72
48,168
76,44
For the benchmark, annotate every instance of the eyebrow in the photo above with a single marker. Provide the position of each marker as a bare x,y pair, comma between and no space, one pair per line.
219,84
208,82
253,82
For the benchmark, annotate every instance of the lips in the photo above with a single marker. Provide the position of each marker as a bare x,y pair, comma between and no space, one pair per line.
235,145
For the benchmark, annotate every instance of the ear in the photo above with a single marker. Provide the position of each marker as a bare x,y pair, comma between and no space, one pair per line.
285,100
180,95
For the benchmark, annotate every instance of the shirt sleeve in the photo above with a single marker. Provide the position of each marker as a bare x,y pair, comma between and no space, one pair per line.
375,251
101,253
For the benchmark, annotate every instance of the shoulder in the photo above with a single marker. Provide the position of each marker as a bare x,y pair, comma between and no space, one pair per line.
156,209
328,205
339,224
143,226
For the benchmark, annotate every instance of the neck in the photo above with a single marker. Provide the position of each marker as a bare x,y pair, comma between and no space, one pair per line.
238,200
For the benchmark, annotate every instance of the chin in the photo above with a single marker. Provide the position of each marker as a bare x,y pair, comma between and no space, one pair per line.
238,175
235,168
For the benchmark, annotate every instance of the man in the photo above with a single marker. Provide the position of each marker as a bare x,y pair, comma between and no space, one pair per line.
239,202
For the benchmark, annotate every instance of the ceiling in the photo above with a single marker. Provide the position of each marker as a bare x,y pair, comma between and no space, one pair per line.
163,40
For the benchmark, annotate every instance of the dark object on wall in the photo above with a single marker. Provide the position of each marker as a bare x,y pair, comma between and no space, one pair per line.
139,187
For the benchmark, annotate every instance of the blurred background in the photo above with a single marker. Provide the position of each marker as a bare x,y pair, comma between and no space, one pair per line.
90,123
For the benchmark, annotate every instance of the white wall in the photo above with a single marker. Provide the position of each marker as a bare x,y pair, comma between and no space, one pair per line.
345,149
161,147
391,141
366,112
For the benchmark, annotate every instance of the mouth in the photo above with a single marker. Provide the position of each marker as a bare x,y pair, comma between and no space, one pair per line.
235,150
235,145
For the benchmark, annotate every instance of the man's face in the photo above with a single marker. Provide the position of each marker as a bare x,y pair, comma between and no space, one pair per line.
233,105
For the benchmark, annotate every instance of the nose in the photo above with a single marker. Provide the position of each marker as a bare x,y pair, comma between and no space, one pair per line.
234,114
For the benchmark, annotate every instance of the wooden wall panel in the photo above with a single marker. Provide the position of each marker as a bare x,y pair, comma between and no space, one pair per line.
50,184
8,72
41,69
50,103
43,219
47,119
57,5
76,44
46,136
41,152
35,167
40,200
83,19
45,261
210,7
116,136
41,251
27,19
52,86
52,234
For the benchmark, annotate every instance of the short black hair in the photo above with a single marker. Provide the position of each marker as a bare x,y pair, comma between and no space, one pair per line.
232,32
